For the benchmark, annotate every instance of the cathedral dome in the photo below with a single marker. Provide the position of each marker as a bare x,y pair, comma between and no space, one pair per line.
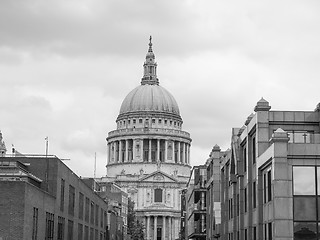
148,98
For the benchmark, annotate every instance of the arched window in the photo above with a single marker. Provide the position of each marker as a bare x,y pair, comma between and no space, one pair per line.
158,195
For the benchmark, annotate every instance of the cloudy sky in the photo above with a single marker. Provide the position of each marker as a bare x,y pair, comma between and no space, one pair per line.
66,66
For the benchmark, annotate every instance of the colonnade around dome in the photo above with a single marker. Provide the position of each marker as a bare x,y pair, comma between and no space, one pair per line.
148,150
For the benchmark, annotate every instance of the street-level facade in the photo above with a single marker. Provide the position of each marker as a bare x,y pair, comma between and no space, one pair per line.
41,198
196,204
149,154
270,178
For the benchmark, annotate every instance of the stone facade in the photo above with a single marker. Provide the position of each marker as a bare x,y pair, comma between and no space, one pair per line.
267,184
149,154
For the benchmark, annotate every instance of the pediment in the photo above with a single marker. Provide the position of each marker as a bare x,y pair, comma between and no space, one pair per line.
132,190
158,176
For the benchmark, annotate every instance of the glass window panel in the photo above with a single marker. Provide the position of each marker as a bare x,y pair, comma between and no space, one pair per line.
304,180
305,230
318,180
304,208
301,137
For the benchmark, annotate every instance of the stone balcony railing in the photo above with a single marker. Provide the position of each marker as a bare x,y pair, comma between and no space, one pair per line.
138,131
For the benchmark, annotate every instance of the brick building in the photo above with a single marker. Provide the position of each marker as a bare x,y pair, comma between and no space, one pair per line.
41,198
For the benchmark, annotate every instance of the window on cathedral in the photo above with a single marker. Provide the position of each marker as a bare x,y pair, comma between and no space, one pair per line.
159,121
134,121
158,195
153,121
165,121
140,120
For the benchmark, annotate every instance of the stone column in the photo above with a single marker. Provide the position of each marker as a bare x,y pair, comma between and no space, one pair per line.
165,150
178,155
164,227
149,156
170,227
189,153
114,151
148,228
120,151
155,228
158,150
141,150
173,224
173,150
108,153
281,186
184,153
127,151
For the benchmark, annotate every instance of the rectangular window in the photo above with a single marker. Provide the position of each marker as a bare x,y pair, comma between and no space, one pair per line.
254,194
245,200
158,195
231,209
87,209
60,228
97,215
49,226
92,213
246,234
140,120
267,181
86,232
269,191
253,150
81,204
238,205
244,159
70,229
96,234
72,196
80,231
62,186
165,121
304,208
269,231
91,234
35,224
254,233
134,121
304,180
101,218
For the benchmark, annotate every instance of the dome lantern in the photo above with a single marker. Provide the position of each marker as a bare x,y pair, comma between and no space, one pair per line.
150,68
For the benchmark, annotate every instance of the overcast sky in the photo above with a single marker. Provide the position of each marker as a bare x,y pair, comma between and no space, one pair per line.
66,66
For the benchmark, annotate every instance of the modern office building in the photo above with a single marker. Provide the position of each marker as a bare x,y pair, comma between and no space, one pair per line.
149,154
270,178
196,204
41,198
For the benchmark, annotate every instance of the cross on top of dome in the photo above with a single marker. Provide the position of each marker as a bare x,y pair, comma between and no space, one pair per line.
150,68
